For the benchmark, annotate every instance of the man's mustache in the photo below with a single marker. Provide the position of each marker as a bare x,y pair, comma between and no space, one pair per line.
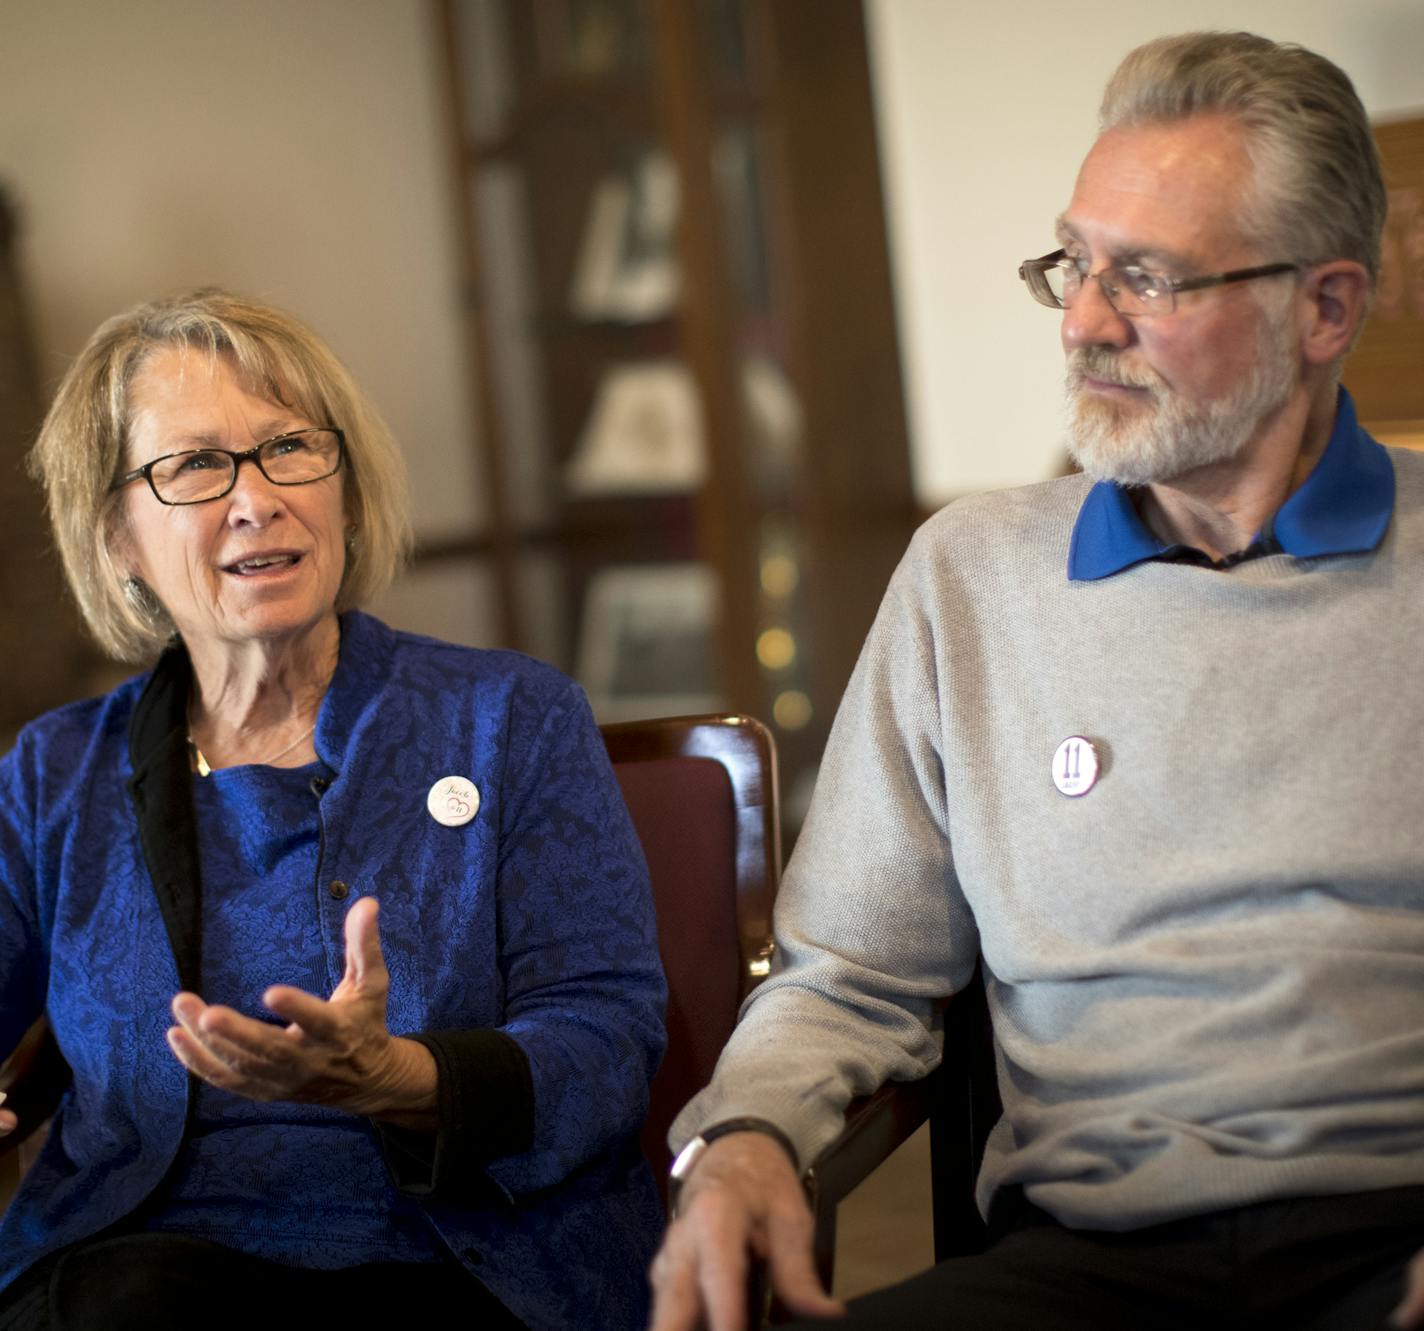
1107,367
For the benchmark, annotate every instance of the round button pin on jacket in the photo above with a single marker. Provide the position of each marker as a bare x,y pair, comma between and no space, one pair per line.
453,801
1075,766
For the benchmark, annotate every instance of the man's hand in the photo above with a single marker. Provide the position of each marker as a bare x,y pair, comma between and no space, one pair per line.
8,1121
335,1052
742,1201
1410,1311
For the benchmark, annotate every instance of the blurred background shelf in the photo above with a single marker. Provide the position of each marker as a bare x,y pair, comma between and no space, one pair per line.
676,271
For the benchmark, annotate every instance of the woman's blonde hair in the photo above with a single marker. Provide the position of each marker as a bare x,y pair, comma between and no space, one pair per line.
80,451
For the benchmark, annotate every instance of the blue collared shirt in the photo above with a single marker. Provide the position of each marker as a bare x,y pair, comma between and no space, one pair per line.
1343,507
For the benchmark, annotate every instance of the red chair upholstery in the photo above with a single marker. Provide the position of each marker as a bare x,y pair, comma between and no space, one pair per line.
703,796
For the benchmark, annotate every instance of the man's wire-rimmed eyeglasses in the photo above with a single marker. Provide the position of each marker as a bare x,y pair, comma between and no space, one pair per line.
1055,280
200,474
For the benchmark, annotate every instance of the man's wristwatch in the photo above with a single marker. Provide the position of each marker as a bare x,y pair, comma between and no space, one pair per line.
692,1152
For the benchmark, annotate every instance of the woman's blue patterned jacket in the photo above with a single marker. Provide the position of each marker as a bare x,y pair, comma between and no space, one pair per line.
521,948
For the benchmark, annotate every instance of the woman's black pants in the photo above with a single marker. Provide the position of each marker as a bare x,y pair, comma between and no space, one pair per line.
168,1282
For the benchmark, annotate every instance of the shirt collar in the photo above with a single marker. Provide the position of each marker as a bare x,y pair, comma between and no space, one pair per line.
1343,507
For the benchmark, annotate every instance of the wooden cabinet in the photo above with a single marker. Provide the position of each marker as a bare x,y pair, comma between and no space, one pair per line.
682,342
47,661
1383,370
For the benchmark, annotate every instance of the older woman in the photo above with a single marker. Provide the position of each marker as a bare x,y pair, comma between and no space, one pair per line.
189,876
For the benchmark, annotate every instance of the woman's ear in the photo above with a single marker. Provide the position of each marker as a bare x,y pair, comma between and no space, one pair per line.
116,549
116,542
1338,297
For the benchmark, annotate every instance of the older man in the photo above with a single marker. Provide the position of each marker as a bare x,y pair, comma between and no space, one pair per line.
1146,741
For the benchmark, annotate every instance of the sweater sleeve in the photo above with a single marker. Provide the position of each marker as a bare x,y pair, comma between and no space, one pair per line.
485,1106
871,928
584,986
565,1076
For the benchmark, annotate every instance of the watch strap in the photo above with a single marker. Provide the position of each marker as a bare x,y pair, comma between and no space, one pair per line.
688,1157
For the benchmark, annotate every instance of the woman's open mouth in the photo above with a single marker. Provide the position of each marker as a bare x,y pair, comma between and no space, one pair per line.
257,565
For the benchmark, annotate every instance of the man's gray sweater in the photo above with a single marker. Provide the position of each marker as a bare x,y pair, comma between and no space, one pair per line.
1206,974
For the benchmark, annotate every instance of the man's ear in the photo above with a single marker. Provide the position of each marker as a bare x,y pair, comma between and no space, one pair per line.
1337,299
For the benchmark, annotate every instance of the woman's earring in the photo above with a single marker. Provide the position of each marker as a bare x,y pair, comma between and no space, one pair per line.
140,599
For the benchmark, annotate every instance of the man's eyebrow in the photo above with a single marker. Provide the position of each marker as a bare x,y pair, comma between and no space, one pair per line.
1146,256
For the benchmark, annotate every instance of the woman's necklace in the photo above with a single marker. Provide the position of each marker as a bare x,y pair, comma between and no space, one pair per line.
201,763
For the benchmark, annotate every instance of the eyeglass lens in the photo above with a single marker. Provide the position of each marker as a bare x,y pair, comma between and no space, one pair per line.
1128,290
292,459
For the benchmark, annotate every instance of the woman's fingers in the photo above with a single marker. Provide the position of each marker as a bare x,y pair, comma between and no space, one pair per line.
1410,1312
194,1055
230,1035
317,1018
365,966
332,1051
234,1052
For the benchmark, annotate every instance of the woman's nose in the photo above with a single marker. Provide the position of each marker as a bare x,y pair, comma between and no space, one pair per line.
253,498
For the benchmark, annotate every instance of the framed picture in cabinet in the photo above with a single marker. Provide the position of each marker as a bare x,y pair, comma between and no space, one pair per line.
648,642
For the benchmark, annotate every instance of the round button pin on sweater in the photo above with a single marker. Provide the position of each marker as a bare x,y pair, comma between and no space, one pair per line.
453,801
1075,766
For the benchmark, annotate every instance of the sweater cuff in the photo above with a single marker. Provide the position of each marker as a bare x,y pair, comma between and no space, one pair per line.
485,1106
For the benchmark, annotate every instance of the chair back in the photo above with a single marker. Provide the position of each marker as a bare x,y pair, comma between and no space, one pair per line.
703,796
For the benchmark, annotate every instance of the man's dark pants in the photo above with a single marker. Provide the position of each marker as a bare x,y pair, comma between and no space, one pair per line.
1311,1264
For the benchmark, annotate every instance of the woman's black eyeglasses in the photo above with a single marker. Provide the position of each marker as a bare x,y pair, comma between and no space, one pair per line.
201,474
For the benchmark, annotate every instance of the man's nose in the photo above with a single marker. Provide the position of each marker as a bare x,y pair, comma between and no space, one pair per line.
1092,321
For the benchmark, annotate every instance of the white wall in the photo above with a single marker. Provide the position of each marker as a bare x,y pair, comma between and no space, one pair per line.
986,111
296,149
291,149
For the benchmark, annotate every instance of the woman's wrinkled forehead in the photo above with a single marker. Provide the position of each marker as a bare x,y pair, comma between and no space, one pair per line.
170,396
181,362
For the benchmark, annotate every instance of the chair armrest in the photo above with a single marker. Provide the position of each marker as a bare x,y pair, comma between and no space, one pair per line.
33,1079
874,1126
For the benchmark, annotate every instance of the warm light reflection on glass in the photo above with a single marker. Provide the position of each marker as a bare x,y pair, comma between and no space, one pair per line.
776,649
779,575
791,710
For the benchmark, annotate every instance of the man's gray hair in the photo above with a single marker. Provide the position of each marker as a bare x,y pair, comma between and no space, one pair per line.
1319,189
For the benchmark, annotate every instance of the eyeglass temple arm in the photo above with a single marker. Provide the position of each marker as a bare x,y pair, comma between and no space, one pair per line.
1235,275
1030,266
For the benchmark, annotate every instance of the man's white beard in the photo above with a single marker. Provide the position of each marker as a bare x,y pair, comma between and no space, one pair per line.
1137,443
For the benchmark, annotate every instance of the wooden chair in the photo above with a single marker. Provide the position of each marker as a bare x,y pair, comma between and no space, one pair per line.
716,944
703,795
33,1079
